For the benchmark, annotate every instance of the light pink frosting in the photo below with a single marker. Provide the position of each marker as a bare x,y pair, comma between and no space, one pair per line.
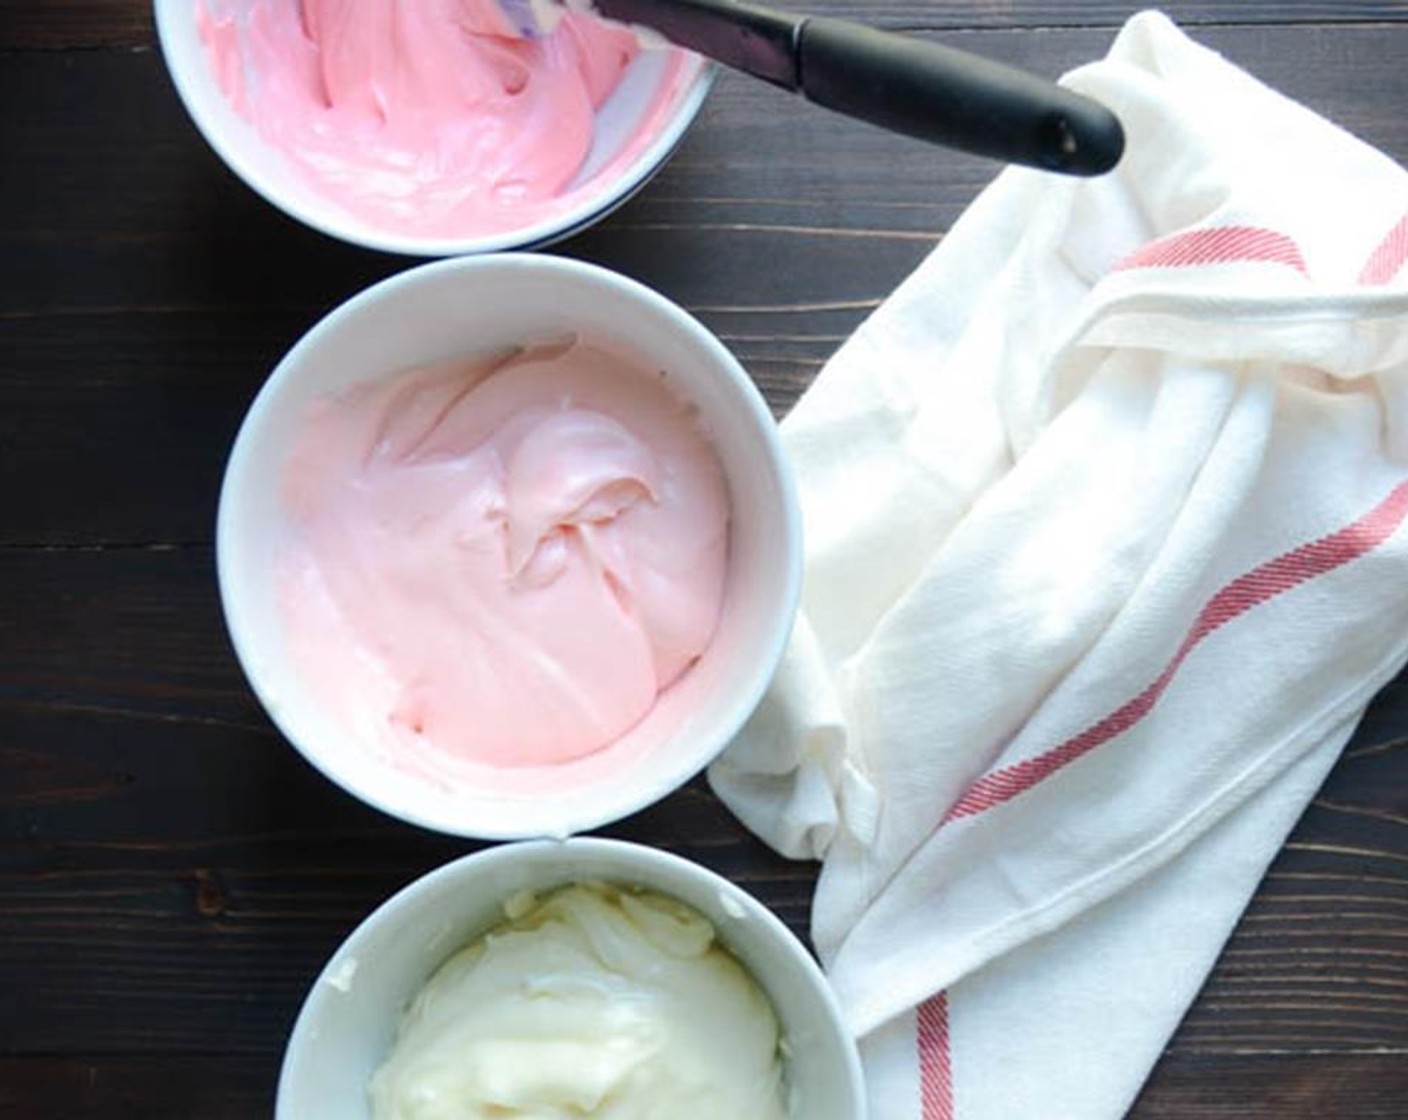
502,562
416,117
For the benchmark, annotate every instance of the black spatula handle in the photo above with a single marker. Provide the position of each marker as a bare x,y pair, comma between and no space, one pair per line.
953,98
895,81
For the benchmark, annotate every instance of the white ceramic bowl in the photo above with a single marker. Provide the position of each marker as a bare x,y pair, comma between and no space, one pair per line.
479,305
594,195
346,1026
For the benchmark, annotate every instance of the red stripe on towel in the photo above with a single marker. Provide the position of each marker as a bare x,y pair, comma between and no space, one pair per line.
1218,245
1257,586
1387,260
1245,592
935,1068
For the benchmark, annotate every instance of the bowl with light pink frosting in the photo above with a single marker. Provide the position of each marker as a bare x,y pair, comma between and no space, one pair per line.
417,126
508,546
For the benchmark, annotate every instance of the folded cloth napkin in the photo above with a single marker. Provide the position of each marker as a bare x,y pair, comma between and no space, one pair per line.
1105,558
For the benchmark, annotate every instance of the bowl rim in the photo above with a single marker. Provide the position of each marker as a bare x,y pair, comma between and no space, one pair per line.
568,222
244,640
566,853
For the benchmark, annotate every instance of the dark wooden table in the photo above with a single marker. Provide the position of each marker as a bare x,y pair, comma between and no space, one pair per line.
172,875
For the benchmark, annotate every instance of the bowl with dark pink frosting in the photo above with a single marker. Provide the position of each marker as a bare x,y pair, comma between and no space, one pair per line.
418,126
508,546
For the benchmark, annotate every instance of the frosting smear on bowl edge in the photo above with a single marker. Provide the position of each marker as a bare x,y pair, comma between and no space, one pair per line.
502,560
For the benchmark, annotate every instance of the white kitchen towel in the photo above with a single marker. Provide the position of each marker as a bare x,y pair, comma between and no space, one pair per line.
1105,557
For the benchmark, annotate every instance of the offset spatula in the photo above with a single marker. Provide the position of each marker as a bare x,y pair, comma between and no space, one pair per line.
900,83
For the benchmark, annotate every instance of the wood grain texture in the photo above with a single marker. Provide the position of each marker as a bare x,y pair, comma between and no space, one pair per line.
173,875
135,1087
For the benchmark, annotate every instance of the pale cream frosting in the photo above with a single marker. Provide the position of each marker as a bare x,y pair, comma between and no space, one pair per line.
597,1003
502,561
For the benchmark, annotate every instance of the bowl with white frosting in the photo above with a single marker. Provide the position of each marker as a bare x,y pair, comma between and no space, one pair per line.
417,127
588,978
508,546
